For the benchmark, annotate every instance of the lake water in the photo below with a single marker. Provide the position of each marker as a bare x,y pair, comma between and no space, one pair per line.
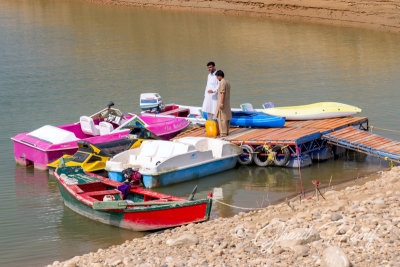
62,59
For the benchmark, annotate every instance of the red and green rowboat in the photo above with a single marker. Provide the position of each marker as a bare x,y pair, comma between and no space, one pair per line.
142,210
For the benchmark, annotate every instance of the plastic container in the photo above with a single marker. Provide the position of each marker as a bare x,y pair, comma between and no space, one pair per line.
116,176
211,128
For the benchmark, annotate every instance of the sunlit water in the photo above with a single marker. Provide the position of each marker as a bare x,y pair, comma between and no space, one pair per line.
62,59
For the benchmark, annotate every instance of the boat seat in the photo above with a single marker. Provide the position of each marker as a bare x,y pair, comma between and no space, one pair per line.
148,149
181,149
114,165
165,151
247,107
105,128
88,127
132,159
216,148
268,105
103,192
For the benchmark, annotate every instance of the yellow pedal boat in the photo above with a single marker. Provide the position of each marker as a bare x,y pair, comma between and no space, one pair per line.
316,111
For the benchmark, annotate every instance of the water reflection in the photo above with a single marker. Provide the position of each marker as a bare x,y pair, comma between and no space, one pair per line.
66,58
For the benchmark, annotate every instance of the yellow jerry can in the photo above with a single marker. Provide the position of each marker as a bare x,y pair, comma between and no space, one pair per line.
211,128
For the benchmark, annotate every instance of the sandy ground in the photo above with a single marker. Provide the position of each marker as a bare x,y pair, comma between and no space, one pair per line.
382,15
358,225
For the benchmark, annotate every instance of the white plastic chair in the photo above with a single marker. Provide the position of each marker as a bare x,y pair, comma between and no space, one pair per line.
88,127
105,128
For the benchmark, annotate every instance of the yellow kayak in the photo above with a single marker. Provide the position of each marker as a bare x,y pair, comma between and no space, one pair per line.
316,111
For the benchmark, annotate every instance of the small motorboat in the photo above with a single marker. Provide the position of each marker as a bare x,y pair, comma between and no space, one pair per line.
99,199
93,157
316,111
163,163
246,116
48,143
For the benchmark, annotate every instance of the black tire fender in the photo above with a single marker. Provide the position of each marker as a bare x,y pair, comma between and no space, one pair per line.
279,149
259,160
248,157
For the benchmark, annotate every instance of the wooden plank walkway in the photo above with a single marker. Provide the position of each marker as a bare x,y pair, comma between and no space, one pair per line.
365,142
293,133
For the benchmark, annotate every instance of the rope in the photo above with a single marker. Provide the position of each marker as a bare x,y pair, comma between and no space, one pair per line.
384,129
298,163
236,207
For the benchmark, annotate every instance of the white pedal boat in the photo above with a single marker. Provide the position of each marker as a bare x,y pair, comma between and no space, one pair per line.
163,163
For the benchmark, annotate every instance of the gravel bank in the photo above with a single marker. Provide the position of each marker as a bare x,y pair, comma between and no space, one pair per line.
381,15
359,226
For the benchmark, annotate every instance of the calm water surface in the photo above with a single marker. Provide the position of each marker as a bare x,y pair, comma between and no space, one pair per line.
62,59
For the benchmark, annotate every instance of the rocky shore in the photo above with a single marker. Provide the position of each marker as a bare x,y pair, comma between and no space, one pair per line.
382,15
356,226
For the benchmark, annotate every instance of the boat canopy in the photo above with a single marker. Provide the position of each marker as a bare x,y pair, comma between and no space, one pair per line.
53,135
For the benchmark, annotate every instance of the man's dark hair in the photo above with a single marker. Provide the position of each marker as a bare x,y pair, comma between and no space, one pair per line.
220,73
211,63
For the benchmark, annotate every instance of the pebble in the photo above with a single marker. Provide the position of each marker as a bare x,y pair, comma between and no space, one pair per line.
335,216
185,239
334,257
361,224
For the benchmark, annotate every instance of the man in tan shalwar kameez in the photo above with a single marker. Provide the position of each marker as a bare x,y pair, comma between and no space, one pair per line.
223,112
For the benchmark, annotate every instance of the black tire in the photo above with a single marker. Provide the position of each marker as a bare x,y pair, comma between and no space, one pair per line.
260,159
246,157
280,160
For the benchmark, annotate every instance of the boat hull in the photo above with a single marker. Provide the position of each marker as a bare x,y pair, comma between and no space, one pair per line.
316,111
257,120
28,155
182,175
30,151
144,218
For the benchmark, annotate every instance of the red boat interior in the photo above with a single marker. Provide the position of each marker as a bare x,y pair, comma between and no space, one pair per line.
97,190
175,110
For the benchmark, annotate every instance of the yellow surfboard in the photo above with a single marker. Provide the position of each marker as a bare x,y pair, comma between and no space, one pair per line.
316,111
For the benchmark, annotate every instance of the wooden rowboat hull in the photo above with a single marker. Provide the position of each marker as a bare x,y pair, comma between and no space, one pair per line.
141,218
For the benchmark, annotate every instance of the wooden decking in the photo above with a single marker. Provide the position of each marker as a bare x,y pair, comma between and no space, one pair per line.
293,133
365,142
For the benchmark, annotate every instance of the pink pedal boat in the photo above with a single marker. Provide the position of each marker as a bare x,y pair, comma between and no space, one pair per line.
48,143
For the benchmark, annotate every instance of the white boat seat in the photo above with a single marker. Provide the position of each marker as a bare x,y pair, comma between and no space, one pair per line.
165,150
114,166
148,149
105,128
132,159
88,127
181,149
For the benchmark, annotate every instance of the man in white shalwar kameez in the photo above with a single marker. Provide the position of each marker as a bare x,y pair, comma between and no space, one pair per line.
211,92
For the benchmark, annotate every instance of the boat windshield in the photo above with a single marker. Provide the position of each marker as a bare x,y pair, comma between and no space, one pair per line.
142,133
80,157
134,123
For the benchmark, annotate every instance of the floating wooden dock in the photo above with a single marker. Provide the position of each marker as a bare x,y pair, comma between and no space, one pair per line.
293,133
297,143
307,141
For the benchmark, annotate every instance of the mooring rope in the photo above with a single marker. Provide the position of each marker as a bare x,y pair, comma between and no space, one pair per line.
236,207
298,163
384,129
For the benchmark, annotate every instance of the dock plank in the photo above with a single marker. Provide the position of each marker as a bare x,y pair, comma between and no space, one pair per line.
366,142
